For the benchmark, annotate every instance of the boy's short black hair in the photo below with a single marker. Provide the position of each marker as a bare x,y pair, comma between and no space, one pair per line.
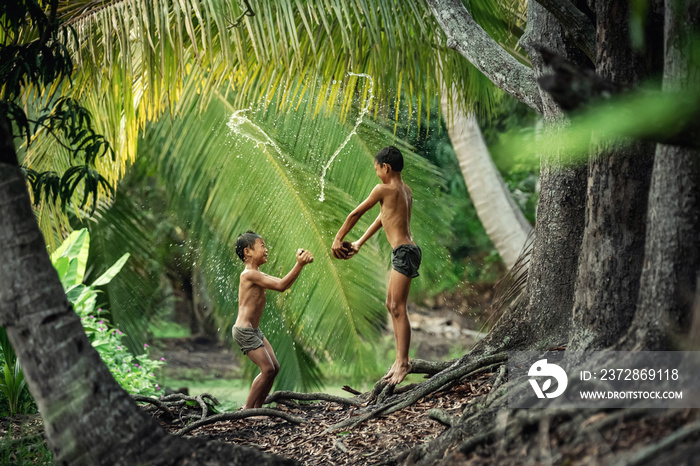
392,156
246,240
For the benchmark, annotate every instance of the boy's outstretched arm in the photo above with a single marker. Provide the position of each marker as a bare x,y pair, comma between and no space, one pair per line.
368,234
374,197
282,284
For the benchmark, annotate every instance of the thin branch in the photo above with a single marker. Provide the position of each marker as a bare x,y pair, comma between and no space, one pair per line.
52,133
349,389
242,414
469,39
248,12
577,24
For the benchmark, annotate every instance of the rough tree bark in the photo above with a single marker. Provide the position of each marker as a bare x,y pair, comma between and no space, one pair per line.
619,173
88,418
559,224
672,246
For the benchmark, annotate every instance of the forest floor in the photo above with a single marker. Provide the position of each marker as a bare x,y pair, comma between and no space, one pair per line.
441,329
381,440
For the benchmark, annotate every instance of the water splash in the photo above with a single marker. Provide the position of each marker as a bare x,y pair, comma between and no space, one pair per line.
364,111
256,134
236,123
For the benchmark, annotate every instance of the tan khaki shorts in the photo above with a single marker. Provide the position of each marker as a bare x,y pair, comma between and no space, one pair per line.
248,338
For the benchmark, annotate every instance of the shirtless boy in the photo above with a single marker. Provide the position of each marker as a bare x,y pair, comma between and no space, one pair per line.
395,199
251,248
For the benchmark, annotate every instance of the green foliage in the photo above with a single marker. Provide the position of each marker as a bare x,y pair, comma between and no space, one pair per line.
130,68
266,175
14,394
27,450
35,62
642,114
136,374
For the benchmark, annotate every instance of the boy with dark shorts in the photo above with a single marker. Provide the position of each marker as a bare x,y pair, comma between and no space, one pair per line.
250,247
395,199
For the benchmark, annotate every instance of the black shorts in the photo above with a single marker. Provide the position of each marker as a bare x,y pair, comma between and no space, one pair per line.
248,338
405,259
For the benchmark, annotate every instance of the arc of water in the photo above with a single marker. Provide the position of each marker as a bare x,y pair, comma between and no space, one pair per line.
364,111
237,120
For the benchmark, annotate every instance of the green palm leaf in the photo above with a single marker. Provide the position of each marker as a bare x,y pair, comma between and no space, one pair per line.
134,63
234,183
132,58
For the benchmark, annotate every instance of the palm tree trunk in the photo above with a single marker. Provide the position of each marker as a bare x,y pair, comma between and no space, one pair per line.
503,220
88,418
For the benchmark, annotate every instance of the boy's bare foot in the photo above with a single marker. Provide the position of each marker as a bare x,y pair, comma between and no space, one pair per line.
400,373
390,373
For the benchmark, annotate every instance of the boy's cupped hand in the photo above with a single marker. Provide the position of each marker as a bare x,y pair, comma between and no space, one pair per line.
304,257
344,250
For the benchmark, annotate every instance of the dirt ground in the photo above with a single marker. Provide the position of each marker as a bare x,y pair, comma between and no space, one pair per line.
439,327
375,442
381,440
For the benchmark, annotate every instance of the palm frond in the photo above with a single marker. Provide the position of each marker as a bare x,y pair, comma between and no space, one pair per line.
133,56
266,176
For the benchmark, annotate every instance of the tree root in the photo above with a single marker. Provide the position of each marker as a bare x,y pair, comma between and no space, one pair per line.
442,417
382,390
242,414
287,395
155,402
468,433
178,400
436,383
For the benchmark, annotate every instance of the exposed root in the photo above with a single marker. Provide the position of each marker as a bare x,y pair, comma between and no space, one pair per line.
287,395
436,383
496,385
178,401
241,414
442,417
381,392
421,366
155,402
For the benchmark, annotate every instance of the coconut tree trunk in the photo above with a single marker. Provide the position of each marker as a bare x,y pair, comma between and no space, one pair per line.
503,220
88,418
